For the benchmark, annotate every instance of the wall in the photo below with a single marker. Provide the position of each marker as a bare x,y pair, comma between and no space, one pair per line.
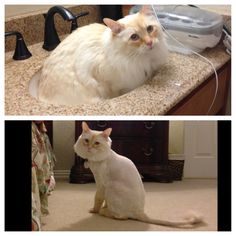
176,137
222,9
63,141
15,10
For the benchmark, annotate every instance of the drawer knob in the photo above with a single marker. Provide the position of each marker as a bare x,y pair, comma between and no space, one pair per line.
101,124
147,151
149,124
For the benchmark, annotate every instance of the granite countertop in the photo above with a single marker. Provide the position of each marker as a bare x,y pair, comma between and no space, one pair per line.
174,81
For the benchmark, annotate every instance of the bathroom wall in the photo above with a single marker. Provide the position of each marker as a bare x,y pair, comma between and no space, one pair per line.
16,10
222,9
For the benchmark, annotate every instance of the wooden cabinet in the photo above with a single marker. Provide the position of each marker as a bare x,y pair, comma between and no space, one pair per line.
144,142
200,99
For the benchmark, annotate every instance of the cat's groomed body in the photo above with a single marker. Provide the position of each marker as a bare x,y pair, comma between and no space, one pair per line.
103,61
111,187
120,193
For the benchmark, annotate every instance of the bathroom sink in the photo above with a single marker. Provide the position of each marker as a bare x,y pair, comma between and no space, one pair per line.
34,84
156,97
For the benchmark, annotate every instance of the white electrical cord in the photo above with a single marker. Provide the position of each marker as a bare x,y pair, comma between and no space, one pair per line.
227,42
207,60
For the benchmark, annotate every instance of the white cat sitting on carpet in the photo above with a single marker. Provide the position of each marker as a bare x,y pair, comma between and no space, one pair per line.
99,61
120,193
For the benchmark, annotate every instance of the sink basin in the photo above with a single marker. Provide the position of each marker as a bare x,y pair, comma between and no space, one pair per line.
34,84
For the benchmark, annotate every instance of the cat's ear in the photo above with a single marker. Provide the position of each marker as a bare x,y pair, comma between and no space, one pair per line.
115,26
85,127
146,10
106,133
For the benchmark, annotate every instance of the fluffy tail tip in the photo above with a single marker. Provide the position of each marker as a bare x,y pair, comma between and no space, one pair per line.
194,217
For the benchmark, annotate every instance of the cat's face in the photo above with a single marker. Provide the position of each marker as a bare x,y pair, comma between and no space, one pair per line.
140,32
93,145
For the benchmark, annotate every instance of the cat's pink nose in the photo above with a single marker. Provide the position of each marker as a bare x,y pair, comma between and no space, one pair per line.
149,44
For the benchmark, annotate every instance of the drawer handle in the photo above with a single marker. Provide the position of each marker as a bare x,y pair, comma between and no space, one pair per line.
149,125
101,124
147,151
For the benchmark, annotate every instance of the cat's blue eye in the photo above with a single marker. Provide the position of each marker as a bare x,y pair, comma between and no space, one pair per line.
150,29
134,37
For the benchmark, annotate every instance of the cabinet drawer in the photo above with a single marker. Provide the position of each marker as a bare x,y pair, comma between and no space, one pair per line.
143,151
132,129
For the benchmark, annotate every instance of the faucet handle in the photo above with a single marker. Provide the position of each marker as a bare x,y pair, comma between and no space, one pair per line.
74,24
21,50
51,39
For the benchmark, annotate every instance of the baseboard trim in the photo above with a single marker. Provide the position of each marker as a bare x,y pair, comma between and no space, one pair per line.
178,157
61,174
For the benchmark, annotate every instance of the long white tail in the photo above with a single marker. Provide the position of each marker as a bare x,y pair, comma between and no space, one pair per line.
192,219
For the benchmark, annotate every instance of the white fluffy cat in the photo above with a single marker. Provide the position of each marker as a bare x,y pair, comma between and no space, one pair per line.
120,193
103,61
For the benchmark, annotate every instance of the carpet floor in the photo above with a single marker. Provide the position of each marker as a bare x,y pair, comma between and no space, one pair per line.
69,205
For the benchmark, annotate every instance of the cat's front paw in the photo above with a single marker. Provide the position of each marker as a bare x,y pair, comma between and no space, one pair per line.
86,165
93,210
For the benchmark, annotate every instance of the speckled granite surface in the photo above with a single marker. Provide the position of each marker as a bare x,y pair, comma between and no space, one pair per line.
174,81
170,85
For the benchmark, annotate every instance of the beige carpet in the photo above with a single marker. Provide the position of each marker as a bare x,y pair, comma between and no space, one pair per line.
69,205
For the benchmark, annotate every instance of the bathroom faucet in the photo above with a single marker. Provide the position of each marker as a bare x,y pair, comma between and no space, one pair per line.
74,24
51,39
21,50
